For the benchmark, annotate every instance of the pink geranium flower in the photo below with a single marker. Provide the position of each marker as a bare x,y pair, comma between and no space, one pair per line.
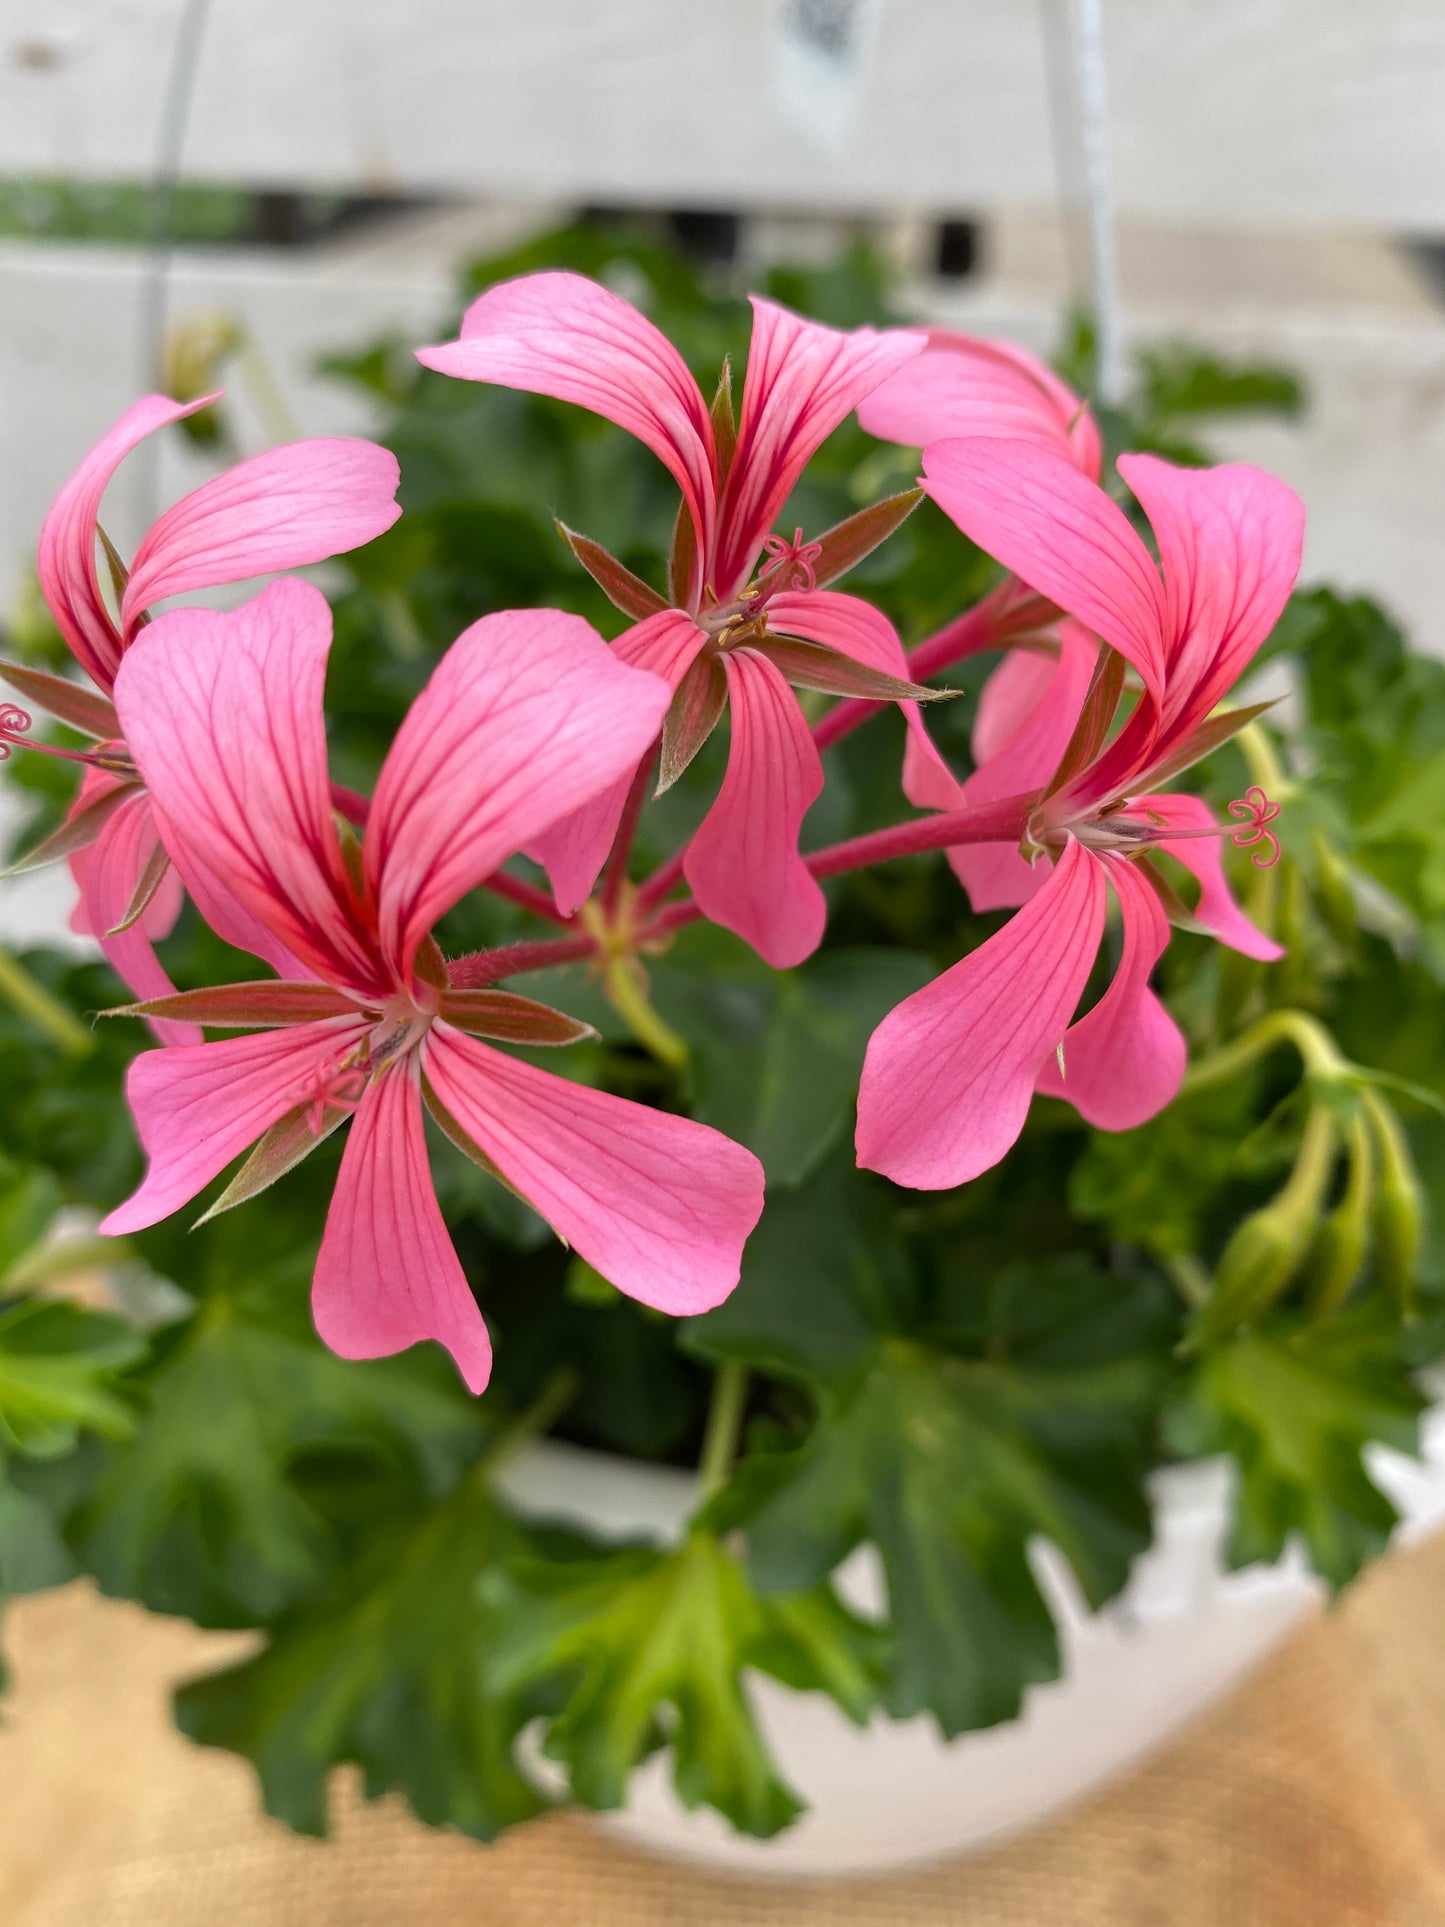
949,1074
734,635
960,386
526,716
293,505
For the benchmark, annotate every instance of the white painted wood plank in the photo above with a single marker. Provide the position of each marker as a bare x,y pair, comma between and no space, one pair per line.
1224,111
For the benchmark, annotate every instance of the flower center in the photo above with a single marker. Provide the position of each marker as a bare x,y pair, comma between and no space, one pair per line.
791,565
338,1083
1258,813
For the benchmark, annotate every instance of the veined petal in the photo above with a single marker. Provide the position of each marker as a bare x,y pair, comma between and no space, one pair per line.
527,716
66,559
1057,531
223,715
292,505
842,622
1124,1060
388,1275
1230,540
803,380
962,385
107,872
562,335
197,1106
573,851
659,1205
743,863
995,876
949,1074
1203,857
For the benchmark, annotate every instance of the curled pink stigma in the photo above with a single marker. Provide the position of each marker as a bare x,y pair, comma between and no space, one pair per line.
329,1086
1258,812
15,725
791,563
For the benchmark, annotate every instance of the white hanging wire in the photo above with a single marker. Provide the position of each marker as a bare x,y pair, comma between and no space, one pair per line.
154,305
1078,105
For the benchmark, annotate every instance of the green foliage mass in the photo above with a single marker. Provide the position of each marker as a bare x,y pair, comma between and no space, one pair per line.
945,1379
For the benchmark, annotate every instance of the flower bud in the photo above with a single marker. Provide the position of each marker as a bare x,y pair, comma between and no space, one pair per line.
1338,1254
1271,1245
1399,1213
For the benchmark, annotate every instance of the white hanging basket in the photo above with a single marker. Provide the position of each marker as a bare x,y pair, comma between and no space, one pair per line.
1182,1633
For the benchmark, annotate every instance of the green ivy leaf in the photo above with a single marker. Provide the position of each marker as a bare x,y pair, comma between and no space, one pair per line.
58,1366
648,1636
951,1427
777,1054
1294,1405
383,1666
208,1511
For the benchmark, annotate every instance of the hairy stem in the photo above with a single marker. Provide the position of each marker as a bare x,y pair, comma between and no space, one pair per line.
483,967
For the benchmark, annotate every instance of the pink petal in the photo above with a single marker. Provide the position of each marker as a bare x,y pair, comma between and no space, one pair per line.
659,1205
949,1074
527,716
961,385
197,1106
223,715
574,850
66,560
995,876
1229,542
562,335
107,873
1008,700
1057,531
842,622
387,1275
928,782
1203,857
803,381
1124,1060
743,863
292,505
857,630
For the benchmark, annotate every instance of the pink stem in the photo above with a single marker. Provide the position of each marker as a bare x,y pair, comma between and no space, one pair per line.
351,804
626,829
485,967
1001,822
975,630
662,880
527,895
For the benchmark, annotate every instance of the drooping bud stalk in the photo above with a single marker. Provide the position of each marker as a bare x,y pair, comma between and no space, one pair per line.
1340,1247
1268,1249
1399,1214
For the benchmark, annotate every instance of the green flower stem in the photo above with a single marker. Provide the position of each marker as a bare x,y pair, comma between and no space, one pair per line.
624,991
34,1001
724,1426
1309,1037
561,1387
1190,1278
1265,767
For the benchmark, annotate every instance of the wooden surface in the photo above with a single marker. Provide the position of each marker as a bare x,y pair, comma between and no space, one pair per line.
1234,111
1314,1797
